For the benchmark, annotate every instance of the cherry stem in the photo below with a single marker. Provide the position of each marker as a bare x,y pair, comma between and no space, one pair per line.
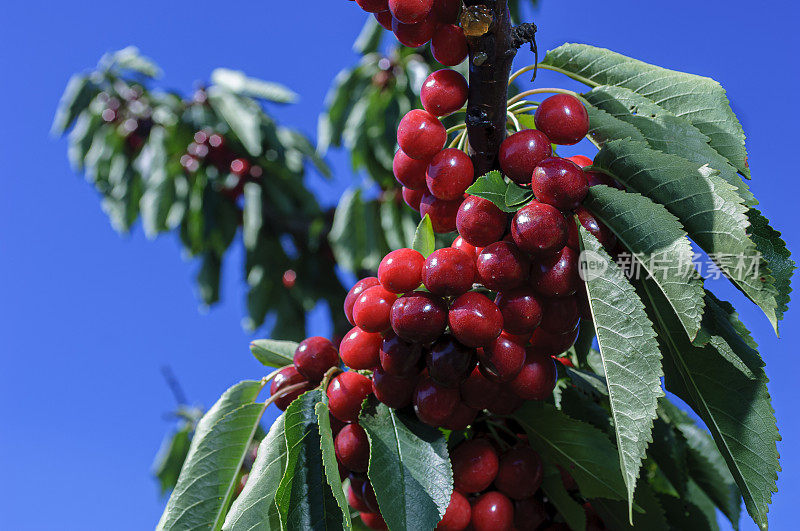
457,140
531,92
457,127
273,374
513,119
330,373
283,392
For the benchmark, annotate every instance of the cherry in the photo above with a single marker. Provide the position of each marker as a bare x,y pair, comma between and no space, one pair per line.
395,391
557,275
384,18
419,317
449,45
521,152
399,357
560,183
529,514
373,6
286,378
477,392
520,473
442,213
449,362
434,403
538,228
502,266
538,377
410,11
421,135
354,293
409,172
289,278
447,11
314,356
492,511
448,272
355,500
519,339
593,178
458,514
444,91
352,448
449,173
346,392
599,230
505,402
502,360
368,495
461,418
552,344
480,222
371,310
475,320
413,197
521,309
560,316
359,349
400,271
581,160
463,245
563,118
373,520
572,233
475,465
414,35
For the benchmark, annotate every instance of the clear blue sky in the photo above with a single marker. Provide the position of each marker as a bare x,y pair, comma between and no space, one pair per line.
87,318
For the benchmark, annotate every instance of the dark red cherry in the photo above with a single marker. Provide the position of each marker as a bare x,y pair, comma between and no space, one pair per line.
463,245
480,222
449,173
521,309
400,271
352,448
475,320
529,514
368,495
552,344
394,391
372,308
434,403
421,135
288,377
559,182
447,11
410,11
442,213
492,511
449,45
563,118
373,6
505,402
359,350
560,316
314,356
556,276
539,229
475,464
458,514
399,357
461,418
502,266
538,377
520,473
384,18
373,520
599,230
449,362
477,392
502,360
521,152
414,35
419,317
448,272
346,392
409,172
444,92
354,499
354,293
413,197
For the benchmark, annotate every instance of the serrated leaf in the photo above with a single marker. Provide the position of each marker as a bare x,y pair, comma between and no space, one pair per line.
220,443
588,382
242,115
492,187
237,82
579,448
699,100
424,240
603,127
273,352
517,196
630,354
409,468
77,95
255,508
683,514
568,508
778,258
329,459
304,498
669,450
649,516
657,240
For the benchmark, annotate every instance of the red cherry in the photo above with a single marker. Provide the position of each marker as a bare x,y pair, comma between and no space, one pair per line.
285,378
475,320
354,293
538,228
352,448
463,245
521,152
480,222
520,473
458,514
373,520
560,183
502,360
538,377
477,392
560,316
449,362
581,160
448,272
413,197
563,118
552,344
419,317
449,45
410,11
556,276
521,309
442,213
395,391
529,514
502,266
493,511
400,271
461,418
443,92
373,6
414,35
447,11
384,18
399,357
475,465
368,495
355,500
434,403
372,308
409,172
505,402
346,392
599,230
359,349
421,135
449,173
314,356
572,233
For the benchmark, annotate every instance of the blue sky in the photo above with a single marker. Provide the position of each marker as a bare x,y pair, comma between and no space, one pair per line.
87,318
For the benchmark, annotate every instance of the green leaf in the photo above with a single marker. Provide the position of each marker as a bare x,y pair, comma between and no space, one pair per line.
778,258
237,82
517,196
682,514
76,98
424,239
169,460
669,451
657,240
699,100
220,444
650,515
603,127
397,222
355,237
567,507
255,508
630,354
369,39
242,115
208,278
579,448
304,497
492,187
273,352
409,468
329,458
131,60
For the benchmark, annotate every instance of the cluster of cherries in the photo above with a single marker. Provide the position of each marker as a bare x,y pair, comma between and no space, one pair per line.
131,113
416,22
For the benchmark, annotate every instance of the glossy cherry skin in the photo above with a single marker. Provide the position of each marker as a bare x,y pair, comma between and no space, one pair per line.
599,230
521,309
372,308
449,45
502,360
449,362
475,464
529,514
352,448
314,356
434,404
559,182
537,379
400,271
414,35
410,11
285,378
444,91
395,391
419,317
563,118
458,514
560,316
480,222
359,350
461,418
373,6
442,213
552,344
521,152
447,11
475,320
413,198
421,135
346,392
409,172
581,160
368,495
502,266
354,499
399,357
492,511
572,233
384,18
463,245
373,520
520,473
355,293
477,392
448,272
449,173
556,276
538,228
